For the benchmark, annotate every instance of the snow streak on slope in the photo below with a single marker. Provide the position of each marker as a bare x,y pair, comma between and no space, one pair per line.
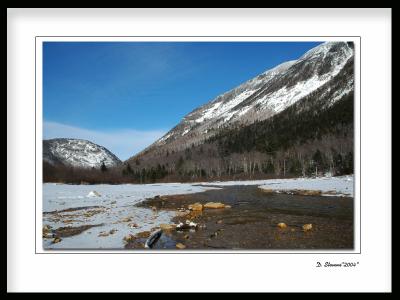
264,96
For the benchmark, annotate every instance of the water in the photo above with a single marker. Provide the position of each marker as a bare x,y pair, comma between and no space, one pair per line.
252,221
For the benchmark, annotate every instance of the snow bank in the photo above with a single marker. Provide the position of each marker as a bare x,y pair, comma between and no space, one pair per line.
341,185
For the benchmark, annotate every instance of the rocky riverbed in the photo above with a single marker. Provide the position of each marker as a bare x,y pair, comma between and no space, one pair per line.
253,219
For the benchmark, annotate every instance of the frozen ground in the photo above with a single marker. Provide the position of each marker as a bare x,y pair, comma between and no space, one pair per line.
341,185
113,206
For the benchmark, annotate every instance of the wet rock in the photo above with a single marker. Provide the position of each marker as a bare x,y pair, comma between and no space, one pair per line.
153,208
153,238
129,238
187,225
282,225
228,206
307,227
220,222
112,231
214,205
180,246
113,202
268,191
167,227
186,236
103,234
143,234
196,206
127,219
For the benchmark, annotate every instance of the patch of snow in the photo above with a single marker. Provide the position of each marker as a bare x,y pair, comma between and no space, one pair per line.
186,131
115,203
342,185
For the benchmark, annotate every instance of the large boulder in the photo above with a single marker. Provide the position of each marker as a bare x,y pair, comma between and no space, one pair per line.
196,206
214,205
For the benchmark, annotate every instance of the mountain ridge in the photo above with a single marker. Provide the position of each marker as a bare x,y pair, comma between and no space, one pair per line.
77,153
258,98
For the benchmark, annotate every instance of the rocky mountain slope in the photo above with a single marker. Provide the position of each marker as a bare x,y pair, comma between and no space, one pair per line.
264,96
77,153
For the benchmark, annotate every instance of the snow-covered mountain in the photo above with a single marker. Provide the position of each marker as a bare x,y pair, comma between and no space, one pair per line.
263,96
77,153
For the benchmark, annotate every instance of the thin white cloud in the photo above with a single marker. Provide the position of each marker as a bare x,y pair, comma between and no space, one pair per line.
124,143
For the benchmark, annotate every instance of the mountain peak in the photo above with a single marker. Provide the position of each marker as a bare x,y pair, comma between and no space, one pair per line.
77,153
261,97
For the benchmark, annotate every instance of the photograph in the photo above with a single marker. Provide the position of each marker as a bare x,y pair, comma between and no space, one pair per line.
205,150
187,145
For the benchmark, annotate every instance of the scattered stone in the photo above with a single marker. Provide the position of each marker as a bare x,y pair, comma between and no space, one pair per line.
182,213
113,202
143,234
153,208
196,206
213,235
103,234
187,225
186,236
167,227
133,225
228,206
129,238
127,219
220,222
268,191
93,194
56,240
282,225
307,227
48,235
46,231
180,246
214,205
112,231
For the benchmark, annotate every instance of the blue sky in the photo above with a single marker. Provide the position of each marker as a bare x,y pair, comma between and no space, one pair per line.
125,95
